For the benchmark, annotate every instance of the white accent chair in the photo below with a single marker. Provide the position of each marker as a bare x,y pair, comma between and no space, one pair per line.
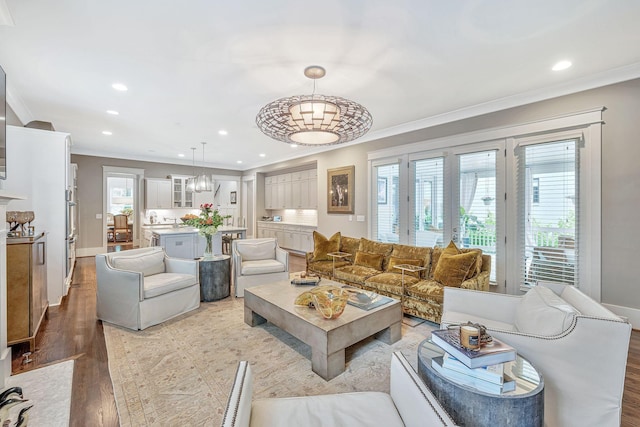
409,403
144,287
578,346
257,261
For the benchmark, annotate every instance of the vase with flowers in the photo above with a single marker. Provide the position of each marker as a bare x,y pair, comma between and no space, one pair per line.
207,223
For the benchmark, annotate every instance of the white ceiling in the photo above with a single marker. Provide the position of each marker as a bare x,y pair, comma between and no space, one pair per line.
195,67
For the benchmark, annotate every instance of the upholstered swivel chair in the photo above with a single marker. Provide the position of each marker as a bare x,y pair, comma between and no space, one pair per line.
256,262
144,287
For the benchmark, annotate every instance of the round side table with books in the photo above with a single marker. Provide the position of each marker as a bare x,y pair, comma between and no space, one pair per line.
474,400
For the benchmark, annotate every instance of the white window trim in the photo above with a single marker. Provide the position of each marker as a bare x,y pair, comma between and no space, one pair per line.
587,124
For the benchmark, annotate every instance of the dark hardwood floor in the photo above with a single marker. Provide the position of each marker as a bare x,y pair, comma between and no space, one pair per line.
72,331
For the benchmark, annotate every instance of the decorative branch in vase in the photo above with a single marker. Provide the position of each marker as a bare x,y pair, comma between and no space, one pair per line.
207,224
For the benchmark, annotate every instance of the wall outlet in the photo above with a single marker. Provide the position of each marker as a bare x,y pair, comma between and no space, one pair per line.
360,218
98,216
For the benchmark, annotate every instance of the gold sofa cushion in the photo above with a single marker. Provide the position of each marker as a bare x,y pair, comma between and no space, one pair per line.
426,290
349,244
355,274
393,261
322,246
374,247
453,266
368,259
437,252
325,268
389,283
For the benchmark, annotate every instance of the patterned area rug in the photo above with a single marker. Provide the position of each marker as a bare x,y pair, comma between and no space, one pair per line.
180,372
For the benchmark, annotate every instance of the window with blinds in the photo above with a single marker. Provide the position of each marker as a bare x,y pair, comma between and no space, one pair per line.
548,203
429,202
388,203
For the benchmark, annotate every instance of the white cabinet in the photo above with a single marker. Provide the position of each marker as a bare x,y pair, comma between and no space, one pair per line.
297,238
180,197
157,193
296,190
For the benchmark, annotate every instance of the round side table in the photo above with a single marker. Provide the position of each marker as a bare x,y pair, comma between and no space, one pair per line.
215,276
468,406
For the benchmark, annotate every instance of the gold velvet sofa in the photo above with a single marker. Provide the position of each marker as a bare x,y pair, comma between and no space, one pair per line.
370,266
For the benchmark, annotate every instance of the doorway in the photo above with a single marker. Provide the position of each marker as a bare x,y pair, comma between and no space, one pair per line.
121,208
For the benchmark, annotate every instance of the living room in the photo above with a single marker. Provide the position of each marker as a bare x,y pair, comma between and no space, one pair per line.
609,91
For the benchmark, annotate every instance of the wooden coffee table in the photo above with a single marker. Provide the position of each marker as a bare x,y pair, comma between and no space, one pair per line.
328,339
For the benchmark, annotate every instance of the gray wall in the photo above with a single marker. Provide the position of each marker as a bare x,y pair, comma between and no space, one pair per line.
90,187
620,175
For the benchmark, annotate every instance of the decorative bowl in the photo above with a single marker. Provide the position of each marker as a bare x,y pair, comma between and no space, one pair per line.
331,303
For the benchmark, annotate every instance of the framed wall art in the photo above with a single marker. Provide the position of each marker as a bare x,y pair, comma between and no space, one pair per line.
340,189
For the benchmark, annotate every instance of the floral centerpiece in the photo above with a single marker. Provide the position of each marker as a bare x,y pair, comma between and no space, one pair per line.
207,224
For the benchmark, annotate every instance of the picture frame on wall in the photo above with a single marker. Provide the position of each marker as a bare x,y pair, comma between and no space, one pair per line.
233,198
340,189
382,190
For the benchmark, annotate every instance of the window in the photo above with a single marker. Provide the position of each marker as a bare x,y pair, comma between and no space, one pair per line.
549,228
524,194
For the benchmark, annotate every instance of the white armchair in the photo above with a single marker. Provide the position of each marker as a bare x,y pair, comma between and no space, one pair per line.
143,287
409,403
257,261
579,346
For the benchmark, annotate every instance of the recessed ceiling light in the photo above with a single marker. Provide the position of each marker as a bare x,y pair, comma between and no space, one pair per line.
239,161
262,155
107,132
294,145
561,65
223,132
180,155
112,112
120,87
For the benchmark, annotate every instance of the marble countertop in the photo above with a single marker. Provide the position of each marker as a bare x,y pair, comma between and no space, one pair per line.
287,223
189,230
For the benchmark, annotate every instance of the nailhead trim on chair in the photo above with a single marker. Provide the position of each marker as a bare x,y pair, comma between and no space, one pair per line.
411,374
243,365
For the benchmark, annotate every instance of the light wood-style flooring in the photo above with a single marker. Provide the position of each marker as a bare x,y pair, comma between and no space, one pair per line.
73,332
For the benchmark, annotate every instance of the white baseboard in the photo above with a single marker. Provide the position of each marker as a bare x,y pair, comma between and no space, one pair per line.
633,314
81,252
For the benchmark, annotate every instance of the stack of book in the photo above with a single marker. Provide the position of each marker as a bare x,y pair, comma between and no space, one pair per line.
482,369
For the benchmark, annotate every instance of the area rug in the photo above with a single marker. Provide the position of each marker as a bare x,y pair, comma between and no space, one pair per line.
181,372
49,389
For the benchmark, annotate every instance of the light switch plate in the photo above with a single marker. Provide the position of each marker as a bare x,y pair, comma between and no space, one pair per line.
360,218
350,217
98,216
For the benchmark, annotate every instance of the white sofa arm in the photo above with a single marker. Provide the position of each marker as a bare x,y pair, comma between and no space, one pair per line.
500,307
182,266
118,293
415,402
238,412
283,257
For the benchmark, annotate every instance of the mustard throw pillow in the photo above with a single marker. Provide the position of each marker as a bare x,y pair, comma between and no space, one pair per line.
368,259
322,246
393,261
453,266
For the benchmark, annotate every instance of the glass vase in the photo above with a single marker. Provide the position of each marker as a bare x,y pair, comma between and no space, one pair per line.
208,249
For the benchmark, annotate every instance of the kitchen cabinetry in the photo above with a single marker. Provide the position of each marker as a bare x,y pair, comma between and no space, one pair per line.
157,193
27,300
296,190
295,237
181,198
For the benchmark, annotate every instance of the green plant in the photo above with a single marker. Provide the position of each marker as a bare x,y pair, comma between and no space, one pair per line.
126,211
208,221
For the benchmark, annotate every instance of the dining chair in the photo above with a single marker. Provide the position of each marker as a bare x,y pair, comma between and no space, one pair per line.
121,225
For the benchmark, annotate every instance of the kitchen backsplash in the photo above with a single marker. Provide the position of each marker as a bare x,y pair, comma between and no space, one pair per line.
166,216
297,216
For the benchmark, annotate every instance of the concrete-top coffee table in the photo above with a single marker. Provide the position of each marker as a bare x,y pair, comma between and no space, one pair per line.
327,338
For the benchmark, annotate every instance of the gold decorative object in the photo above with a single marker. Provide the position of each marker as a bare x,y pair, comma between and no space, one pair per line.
331,303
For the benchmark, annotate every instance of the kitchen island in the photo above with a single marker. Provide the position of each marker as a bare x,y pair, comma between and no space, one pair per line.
185,242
